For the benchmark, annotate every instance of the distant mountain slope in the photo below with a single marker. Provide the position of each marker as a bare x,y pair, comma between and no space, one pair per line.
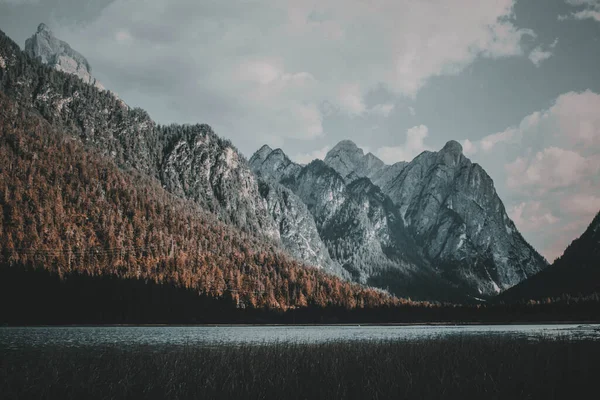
576,273
68,209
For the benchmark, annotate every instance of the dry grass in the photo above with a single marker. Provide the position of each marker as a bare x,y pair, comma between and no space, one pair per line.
452,368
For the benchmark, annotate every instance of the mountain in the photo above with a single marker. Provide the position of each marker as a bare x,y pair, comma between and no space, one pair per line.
274,165
359,225
576,273
59,55
433,222
451,208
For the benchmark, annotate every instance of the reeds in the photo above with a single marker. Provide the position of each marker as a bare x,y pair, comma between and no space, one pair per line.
450,368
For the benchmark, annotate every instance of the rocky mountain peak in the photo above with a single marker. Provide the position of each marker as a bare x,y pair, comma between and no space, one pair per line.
345,157
59,55
452,146
452,153
273,165
43,28
348,146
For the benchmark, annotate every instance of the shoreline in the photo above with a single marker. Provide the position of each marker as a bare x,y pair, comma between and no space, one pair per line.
383,324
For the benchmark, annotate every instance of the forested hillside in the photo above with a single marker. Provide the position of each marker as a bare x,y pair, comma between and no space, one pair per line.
68,210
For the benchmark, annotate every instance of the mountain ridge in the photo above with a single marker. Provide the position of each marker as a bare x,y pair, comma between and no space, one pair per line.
443,228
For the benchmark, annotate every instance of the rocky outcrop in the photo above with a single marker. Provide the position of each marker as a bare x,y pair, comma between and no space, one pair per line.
273,165
297,228
351,163
59,55
200,166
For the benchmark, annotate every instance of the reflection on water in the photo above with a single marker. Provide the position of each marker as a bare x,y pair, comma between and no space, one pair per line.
27,337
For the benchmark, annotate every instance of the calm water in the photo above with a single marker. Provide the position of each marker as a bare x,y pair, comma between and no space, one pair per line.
19,338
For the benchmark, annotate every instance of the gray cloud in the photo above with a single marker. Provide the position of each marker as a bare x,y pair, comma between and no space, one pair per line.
551,166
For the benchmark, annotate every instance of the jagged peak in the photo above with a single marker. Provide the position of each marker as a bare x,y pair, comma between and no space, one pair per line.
43,28
452,146
372,159
278,154
452,154
264,149
261,154
346,145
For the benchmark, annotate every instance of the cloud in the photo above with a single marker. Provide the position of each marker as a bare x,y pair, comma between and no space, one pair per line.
247,68
305,158
590,10
351,100
412,111
19,2
123,36
531,216
539,55
551,169
413,146
581,203
468,147
382,110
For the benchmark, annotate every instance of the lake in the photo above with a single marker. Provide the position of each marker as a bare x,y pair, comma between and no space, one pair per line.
82,336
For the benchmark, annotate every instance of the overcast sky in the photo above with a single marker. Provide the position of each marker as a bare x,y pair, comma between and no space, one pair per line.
517,82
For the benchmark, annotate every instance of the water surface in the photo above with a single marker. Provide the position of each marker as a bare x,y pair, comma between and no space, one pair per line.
82,336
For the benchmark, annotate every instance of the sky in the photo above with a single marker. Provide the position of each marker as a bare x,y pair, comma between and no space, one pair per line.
517,83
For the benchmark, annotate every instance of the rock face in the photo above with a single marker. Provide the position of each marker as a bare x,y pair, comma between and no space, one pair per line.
296,224
59,55
198,165
351,163
451,208
273,165
297,228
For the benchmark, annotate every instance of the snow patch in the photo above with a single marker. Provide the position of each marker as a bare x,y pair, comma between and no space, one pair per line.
461,240
495,287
